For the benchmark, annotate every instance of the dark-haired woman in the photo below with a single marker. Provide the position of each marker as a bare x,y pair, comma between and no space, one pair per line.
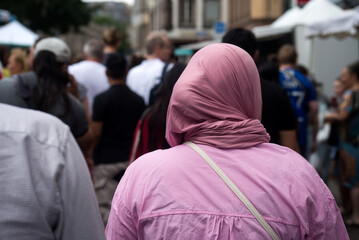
50,92
150,130
348,117
46,89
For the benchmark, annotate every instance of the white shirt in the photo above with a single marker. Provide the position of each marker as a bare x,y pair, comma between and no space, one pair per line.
92,75
142,78
45,186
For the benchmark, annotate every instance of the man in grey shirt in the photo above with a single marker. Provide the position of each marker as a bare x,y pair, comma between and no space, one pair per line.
45,187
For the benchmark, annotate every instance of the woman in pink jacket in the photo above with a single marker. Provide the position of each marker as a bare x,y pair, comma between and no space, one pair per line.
175,194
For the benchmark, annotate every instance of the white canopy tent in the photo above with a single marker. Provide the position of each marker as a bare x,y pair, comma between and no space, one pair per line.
313,11
340,25
284,24
289,19
267,31
14,33
335,45
321,56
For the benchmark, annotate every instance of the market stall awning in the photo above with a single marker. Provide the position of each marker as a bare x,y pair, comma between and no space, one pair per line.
314,11
340,25
14,33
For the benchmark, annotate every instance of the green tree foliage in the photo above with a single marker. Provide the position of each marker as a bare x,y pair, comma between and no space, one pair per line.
49,16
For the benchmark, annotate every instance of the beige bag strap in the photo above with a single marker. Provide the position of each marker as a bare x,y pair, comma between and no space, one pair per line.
235,189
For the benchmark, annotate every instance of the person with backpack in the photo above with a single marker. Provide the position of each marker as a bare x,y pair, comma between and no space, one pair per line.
144,77
150,131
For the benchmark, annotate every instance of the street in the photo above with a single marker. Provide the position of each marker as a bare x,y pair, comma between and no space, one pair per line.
352,231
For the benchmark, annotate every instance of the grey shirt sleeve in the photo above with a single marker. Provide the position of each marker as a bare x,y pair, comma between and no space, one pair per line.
80,216
79,125
82,91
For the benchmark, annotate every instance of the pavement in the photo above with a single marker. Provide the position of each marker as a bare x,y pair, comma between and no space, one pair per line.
334,188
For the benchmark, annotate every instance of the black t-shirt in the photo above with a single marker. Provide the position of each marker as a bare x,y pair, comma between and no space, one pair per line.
119,109
277,114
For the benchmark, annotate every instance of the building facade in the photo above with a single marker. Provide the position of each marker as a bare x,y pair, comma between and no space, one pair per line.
188,21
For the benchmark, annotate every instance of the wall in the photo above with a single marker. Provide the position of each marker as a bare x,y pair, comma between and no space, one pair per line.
266,9
330,56
325,57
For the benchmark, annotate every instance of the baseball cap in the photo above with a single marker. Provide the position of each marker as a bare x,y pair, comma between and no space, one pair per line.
56,46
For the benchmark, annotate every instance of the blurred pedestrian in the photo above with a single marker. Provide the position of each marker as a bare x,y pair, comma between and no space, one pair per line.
348,116
214,113
115,115
111,40
329,147
45,89
269,71
90,72
150,130
46,190
4,57
301,94
313,124
277,115
17,62
31,53
142,78
135,60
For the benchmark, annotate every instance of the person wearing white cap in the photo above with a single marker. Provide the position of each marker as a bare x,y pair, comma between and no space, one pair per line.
44,88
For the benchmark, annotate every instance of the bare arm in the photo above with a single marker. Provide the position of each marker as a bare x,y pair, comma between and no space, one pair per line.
85,143
341,115
313,119
85,103
97,131
336,116
288,139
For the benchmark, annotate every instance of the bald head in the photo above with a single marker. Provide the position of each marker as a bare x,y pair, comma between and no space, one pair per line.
158,46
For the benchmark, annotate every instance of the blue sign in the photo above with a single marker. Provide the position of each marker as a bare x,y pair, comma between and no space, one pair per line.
201,34
219,27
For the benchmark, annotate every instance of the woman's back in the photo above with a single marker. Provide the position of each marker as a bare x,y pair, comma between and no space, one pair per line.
174,193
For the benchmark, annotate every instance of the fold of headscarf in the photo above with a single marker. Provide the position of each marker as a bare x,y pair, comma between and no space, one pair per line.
217,100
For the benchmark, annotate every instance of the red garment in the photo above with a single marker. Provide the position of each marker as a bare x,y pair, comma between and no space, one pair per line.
141,140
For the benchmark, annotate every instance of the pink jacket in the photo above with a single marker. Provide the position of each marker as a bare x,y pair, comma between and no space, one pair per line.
174,194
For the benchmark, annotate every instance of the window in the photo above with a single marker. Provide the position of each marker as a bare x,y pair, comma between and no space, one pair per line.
211,12
186,13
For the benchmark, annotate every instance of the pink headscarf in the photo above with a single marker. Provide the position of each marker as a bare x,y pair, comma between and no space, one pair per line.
217,100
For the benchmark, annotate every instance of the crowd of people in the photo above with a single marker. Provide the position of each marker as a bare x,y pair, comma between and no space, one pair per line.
136,135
